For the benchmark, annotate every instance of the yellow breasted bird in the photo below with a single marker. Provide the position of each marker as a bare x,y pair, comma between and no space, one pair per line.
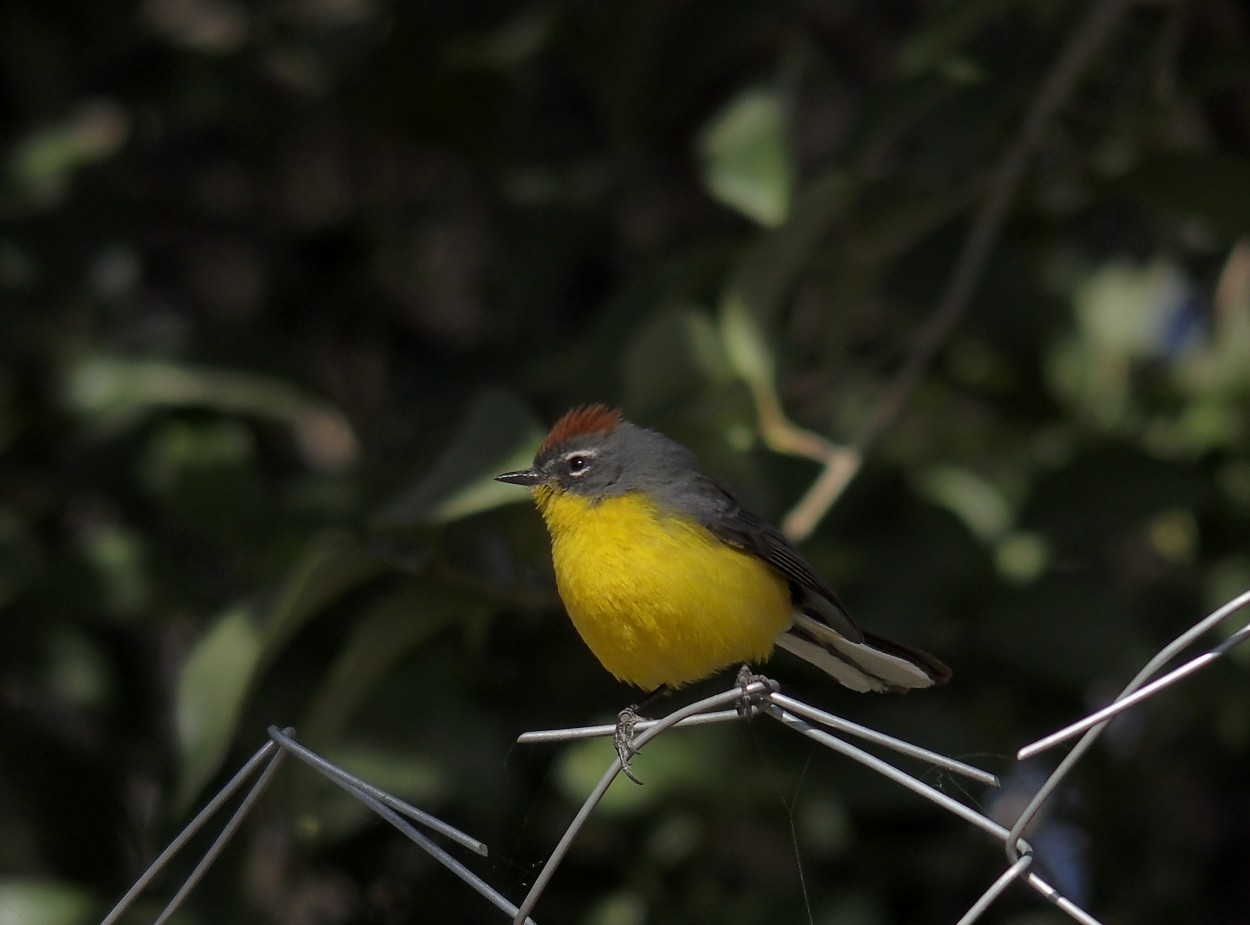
668,578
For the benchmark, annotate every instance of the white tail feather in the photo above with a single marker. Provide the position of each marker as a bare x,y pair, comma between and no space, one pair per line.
857,665
843,672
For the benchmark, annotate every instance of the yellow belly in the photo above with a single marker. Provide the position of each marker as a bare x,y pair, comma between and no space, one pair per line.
657,599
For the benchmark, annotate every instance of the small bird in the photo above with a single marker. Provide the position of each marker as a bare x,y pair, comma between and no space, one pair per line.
668,578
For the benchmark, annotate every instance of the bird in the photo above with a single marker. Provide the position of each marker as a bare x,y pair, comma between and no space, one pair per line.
668,578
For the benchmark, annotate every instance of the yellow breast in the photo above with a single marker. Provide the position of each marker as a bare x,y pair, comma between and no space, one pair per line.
659,599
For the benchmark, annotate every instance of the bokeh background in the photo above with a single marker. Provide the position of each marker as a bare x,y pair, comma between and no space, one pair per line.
283,283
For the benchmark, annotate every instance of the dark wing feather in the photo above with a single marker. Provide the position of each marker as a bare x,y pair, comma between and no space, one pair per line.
720,512
934,667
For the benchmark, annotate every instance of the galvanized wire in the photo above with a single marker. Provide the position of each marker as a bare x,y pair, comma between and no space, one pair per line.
384,805
795,714
761,697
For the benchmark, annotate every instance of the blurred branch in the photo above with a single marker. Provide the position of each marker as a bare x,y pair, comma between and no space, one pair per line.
841,464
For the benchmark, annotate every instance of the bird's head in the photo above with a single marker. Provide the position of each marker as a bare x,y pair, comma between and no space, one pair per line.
586,453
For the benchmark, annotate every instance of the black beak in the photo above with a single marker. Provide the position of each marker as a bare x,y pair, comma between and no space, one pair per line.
526,477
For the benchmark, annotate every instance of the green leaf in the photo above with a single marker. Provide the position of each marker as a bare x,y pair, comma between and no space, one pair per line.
404,771
20,554
937,43
223,668
43,162
381,638
498,434
980,504
746,161
1213,187
211,689
765,275
746,344
675,354
333,564
45,902
119,390
675,762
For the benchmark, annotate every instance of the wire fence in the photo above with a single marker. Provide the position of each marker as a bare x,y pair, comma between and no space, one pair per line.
759,697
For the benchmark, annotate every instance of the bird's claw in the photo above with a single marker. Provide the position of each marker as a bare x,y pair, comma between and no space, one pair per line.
623,739
751,701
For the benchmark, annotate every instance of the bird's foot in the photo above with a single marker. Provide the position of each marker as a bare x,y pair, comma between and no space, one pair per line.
623,739
751,701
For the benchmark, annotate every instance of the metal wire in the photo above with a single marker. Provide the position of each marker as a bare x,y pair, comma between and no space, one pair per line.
794,714
794,706
1005,879
386,806
759,697
774,708
1165,655
1128,697
888,741
652,729
249,768
361,789
381,803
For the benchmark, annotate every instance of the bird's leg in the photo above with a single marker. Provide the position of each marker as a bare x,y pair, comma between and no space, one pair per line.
626,720
623,739
750,703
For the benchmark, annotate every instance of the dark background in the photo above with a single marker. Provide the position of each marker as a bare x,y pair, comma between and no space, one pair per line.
282,284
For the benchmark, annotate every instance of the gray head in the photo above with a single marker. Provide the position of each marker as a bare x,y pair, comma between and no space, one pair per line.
595,453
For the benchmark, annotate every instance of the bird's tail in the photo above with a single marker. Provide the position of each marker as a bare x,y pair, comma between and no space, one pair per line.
875,664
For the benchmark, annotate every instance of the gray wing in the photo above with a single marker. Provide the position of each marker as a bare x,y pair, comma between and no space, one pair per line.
735,526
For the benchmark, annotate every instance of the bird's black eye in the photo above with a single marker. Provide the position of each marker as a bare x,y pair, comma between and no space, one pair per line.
577,464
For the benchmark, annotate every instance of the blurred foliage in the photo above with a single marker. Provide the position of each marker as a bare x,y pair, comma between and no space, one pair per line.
283,285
